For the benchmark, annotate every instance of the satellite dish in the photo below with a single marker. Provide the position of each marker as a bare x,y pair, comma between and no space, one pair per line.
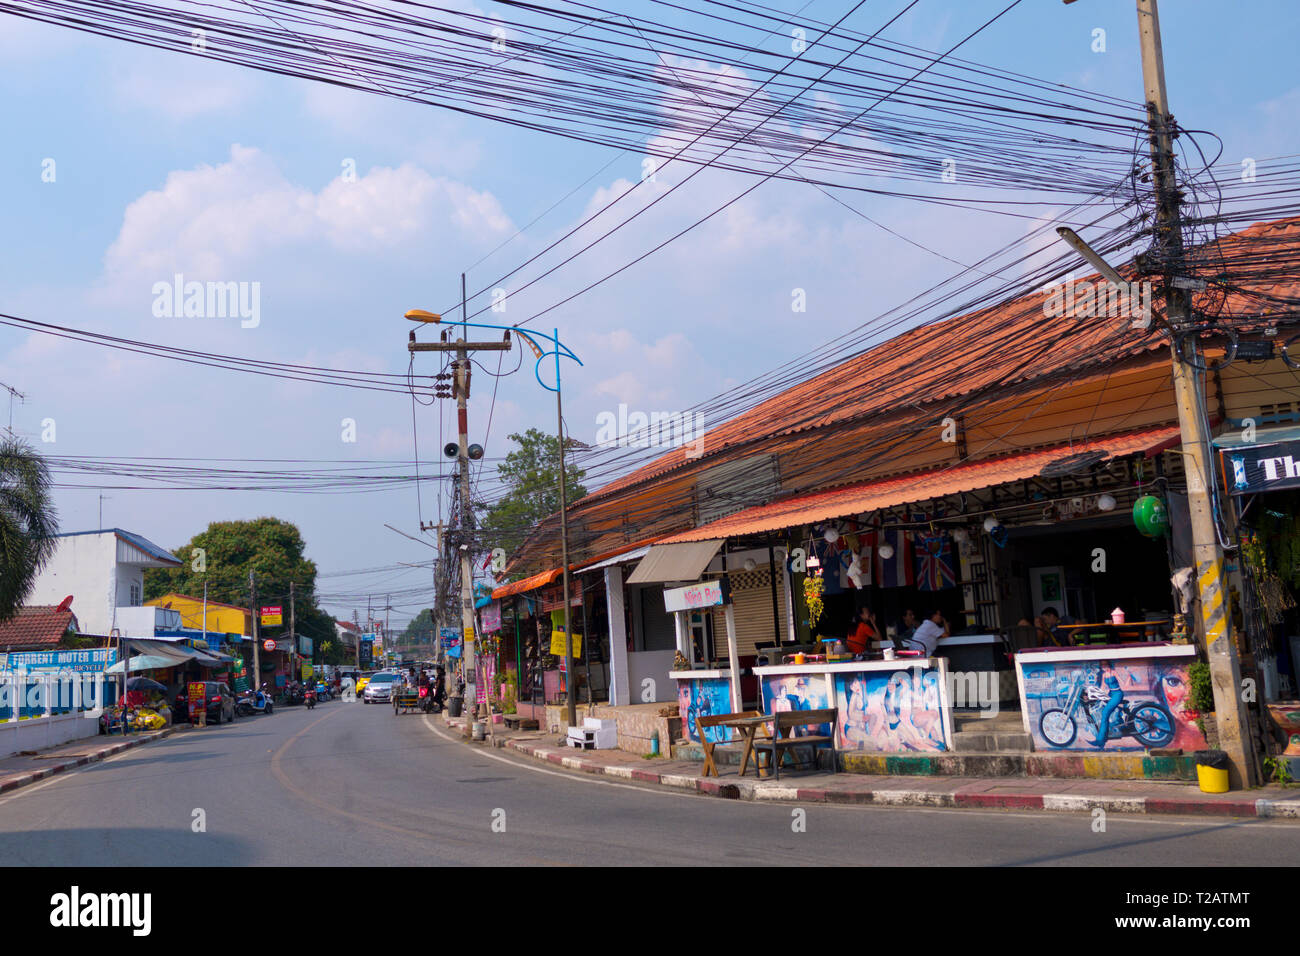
1079,464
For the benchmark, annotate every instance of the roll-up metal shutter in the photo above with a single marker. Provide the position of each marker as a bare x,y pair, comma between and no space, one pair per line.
751,597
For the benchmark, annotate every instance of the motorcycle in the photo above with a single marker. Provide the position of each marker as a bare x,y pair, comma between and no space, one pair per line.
292,695
310,697
254,702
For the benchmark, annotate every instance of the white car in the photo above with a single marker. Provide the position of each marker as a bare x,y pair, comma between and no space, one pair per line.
380,689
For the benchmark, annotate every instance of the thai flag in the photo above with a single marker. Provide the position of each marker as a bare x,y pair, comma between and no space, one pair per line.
934,563
895,571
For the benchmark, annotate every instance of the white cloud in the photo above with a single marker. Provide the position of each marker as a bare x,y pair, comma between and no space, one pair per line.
220,222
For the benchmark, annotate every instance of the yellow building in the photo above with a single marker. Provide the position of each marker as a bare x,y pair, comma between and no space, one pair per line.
221,618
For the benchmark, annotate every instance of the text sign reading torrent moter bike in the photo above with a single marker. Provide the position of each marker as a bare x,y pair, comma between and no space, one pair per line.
695,596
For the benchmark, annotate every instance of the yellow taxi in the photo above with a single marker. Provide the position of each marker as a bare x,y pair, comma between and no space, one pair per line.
361,683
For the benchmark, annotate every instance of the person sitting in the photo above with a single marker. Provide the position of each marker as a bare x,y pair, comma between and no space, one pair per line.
927,635
908,627
859,640
1048,624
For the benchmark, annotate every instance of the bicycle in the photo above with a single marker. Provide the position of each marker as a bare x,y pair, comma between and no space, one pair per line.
1149,723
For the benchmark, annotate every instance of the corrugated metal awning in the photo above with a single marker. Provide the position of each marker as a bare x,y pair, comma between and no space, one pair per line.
527,584
665,563
636,554
905,489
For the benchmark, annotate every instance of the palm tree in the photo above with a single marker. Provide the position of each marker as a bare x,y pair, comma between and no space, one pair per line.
28,522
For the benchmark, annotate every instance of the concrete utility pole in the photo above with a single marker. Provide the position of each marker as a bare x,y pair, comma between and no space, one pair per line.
1225,667
293,630
571,697
257,659
460,389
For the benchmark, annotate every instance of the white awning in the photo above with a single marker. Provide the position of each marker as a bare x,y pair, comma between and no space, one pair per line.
665,563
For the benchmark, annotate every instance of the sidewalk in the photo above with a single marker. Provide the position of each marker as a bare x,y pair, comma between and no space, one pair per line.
23,769
1007,793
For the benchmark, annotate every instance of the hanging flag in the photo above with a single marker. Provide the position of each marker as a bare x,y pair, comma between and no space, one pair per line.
835,563
896,571
935,570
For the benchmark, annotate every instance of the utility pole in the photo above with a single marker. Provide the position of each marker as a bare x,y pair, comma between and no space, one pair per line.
257,659
1225,666
571,697
460,389
293,630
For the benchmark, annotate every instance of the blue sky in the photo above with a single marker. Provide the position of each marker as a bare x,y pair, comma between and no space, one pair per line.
165,163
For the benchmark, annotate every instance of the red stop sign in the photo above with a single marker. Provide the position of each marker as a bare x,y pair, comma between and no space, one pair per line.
268,645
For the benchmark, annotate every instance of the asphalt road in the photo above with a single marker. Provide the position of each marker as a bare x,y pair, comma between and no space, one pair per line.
353,784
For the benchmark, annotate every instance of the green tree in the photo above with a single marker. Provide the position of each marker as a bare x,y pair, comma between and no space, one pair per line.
28,523
224,554
531,476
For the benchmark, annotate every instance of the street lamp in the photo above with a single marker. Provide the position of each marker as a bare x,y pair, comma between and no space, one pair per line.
543,347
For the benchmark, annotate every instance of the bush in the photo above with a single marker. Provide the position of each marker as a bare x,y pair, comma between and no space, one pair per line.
1202,691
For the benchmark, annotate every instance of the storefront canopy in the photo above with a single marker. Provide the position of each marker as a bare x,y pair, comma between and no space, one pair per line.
150,655
635,554
665,563
906,489
527,584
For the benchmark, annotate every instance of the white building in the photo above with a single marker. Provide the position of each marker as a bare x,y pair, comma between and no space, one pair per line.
102,571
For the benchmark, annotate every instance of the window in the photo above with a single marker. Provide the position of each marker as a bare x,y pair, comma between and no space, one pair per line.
135,595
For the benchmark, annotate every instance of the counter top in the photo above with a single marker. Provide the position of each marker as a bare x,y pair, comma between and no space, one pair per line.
697,675
902,663
1106,652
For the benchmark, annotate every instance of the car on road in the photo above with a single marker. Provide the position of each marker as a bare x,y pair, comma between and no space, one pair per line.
380,688
362,681
221,702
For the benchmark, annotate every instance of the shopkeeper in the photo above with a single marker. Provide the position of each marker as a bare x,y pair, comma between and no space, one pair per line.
860,639
929,632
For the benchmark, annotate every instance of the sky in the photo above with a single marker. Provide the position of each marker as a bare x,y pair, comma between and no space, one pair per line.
166,164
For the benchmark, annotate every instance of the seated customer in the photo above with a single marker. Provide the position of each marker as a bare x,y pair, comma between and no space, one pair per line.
859,640
908,627
929,632
1049,623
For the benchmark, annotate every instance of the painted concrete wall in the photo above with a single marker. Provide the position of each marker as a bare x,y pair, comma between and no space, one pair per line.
85,566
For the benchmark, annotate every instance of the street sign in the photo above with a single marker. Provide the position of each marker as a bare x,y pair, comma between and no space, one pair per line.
272,616
268,645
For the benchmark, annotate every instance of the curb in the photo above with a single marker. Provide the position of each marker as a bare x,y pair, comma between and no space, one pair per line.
23,780
1235,807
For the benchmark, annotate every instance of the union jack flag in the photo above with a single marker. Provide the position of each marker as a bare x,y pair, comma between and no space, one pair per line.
935,570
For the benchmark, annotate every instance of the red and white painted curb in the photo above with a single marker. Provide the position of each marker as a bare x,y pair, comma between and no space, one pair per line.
32,776
974,796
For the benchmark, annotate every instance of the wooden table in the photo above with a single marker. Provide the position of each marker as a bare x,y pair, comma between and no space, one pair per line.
748,728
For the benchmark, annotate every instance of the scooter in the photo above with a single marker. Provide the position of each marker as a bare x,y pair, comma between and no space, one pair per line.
254,702
310,698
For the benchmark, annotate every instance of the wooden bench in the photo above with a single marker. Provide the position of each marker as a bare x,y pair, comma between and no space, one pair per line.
782,742
713,720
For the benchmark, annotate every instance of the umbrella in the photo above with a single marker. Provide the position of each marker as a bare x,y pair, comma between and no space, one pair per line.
145,684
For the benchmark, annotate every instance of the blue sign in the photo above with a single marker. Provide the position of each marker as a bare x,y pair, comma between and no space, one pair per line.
90,661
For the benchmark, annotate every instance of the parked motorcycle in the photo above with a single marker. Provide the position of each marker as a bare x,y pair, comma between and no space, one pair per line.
310,697
254,702
292,695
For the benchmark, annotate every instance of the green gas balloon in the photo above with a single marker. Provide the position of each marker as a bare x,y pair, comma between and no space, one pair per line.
1151,516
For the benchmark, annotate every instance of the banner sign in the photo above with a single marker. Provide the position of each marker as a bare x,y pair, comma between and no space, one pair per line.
1251,468
448,637
491,617
559,644
197,694
304,646
81,662
272,616
696,596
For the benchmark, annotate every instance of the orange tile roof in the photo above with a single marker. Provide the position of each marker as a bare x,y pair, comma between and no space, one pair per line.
993,348
37,626
905,489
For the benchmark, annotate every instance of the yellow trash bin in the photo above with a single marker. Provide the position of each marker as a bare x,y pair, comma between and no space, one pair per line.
1212,771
